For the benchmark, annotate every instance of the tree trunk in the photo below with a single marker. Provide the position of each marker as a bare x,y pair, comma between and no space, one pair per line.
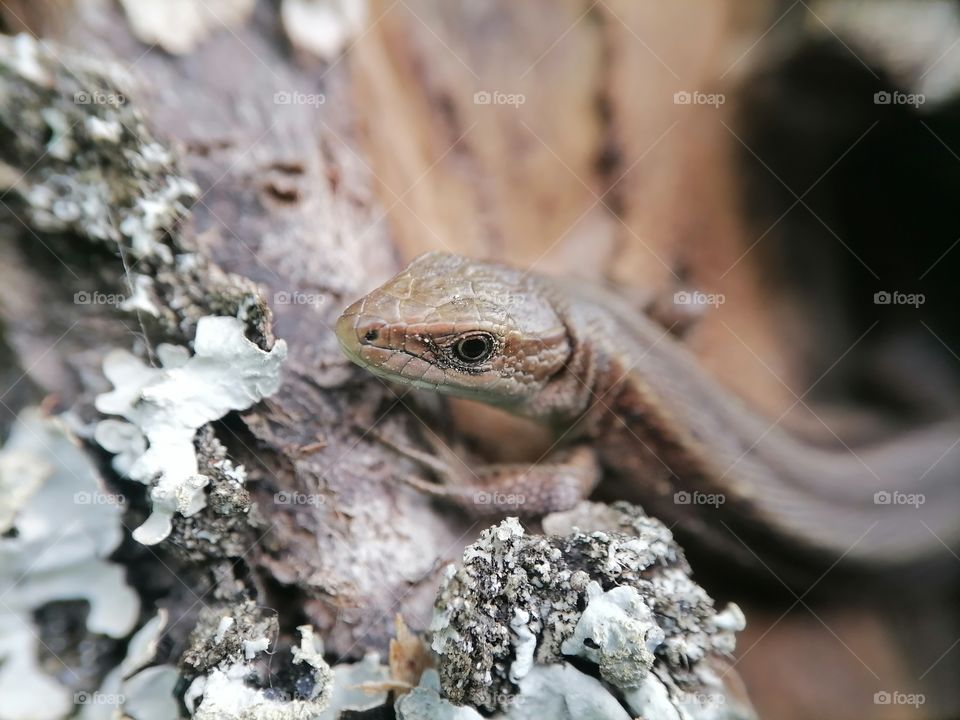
271,162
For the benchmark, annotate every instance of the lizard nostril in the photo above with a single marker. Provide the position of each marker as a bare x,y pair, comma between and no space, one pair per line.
371,335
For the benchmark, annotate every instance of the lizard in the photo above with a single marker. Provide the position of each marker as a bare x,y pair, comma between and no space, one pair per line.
628,400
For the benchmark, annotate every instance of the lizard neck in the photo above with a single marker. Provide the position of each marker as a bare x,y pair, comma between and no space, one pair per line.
585,391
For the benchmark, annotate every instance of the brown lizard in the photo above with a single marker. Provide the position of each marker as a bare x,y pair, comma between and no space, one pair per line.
631,403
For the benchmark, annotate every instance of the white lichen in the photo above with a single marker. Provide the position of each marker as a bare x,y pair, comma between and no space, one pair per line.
150,217
619,633
252,647
524,645
61,145
179,26
561,692
424,703
23,57
652,699
323,27
910,40
140,299
104,130
353,686
165,406
225,624
60,526
134,690
223,694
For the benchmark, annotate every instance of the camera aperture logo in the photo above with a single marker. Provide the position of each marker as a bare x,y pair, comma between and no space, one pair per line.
895,497
886,697
695,297
495,97
685,497
695,97
295,97
895,297
896,97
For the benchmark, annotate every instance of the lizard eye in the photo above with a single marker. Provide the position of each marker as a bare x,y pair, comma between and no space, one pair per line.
474,348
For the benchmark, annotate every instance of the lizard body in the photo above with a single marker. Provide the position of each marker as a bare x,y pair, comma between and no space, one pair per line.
607,378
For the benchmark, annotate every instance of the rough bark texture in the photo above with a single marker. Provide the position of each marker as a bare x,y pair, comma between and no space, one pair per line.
302,205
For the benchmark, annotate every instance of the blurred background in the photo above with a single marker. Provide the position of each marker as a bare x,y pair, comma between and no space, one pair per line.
799,162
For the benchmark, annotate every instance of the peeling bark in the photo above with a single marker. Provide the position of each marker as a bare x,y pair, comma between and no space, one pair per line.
232,172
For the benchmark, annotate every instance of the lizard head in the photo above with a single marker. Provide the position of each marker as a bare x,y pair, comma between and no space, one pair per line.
460,327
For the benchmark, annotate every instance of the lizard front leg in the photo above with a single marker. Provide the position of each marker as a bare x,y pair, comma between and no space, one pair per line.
558,482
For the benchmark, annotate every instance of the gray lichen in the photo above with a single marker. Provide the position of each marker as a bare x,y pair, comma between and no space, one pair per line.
620,597
560,692
79,163
59,526
230,679
91,164
137,687
229,691
230,522
82,161
619,633
77,156
222,636
181,26
323,27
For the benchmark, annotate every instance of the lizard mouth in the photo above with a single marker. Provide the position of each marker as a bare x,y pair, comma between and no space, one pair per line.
356,339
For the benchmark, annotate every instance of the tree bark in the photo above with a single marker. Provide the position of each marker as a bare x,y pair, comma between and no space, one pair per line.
543,133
